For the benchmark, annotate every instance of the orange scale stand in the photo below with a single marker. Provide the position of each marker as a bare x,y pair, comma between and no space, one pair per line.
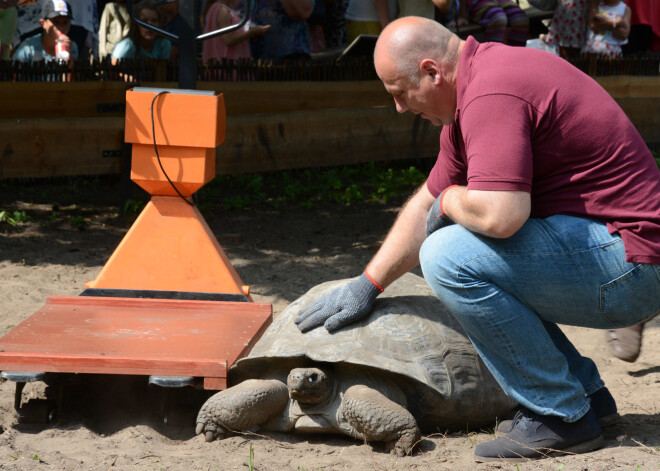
168,303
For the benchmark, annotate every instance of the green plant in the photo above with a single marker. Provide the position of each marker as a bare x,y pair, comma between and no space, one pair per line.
250,462
308,188
13,219
78,222
132,206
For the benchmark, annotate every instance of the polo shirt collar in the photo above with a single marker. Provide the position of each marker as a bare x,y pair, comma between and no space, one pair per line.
464,71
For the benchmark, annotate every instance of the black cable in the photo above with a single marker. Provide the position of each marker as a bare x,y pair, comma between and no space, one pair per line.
153,133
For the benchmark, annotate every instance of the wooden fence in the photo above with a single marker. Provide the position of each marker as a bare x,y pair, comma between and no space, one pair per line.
57,129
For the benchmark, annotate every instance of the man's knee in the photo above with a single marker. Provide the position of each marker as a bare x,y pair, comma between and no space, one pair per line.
442,253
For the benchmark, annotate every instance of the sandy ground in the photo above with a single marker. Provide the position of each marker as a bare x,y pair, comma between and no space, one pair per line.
114,422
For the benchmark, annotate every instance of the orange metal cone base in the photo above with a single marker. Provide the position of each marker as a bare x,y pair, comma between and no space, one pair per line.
170,248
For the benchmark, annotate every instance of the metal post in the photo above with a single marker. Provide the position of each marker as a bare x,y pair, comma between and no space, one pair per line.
187,49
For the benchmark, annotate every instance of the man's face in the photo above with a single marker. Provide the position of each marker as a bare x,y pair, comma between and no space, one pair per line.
431,98
53,25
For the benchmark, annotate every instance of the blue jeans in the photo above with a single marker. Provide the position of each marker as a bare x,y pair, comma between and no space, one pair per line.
510,294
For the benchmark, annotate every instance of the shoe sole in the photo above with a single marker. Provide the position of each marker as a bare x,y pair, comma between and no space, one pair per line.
583,447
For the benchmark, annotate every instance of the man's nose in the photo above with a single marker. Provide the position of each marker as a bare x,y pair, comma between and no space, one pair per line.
401,107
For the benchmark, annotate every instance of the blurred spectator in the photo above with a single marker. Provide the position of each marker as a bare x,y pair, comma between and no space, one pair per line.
644,27
495,16
114,26
334,23
220,14
55,21
609,26
27,24
169,10
288,36
368,16
449,15
8,23
85,27
424,8
315,27
141,41
568,27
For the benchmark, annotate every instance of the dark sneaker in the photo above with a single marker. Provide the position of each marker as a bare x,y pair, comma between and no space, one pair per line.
537,436
602,403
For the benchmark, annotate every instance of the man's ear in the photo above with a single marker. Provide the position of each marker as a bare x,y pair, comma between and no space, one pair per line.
430,67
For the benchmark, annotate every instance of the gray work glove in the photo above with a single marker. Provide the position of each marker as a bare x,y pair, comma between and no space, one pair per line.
341,306
436,219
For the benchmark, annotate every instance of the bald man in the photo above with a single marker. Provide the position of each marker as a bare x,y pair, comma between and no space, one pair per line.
543,208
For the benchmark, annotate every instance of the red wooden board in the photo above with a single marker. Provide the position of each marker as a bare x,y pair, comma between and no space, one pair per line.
70,334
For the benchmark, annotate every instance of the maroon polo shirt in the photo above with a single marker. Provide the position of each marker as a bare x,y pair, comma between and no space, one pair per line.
527,120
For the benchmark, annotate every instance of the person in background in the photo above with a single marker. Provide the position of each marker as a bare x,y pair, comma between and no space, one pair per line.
368,17
169,10
568,28
609,27
27,22
85,27
8,22
218,14
114,26
495,16
141,41
55,21
288,36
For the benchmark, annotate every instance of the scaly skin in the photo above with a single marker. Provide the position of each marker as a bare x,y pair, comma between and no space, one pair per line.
380,419
241,407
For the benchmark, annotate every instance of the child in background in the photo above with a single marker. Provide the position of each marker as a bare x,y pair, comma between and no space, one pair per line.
609,27
219,14
495,16
141,41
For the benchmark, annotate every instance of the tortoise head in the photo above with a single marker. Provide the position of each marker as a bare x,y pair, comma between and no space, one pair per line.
309,385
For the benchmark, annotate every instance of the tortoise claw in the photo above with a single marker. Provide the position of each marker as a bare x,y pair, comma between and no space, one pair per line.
209,436
200,428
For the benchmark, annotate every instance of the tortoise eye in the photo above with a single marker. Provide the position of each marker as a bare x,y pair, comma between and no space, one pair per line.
312,378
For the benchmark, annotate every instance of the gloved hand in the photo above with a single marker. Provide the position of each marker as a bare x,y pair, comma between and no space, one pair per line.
437,219
341,306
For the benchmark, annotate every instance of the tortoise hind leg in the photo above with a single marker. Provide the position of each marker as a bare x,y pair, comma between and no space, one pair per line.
379,419
241,407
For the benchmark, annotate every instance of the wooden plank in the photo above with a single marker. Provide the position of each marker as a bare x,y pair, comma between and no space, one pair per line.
631,86
79,99
300,135
100,99
60,99
280,97
323,138
49,147
645,115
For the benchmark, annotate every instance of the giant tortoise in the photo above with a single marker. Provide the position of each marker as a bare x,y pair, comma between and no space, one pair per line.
407,368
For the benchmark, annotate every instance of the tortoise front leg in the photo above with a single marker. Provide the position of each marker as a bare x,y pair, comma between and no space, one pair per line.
241,407
379,419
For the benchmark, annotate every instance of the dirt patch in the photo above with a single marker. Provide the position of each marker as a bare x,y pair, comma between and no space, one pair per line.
116,422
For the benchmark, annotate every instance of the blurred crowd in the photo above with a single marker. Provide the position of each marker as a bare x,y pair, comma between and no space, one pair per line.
33,30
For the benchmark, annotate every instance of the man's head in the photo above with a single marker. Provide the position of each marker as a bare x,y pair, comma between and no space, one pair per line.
417,61
56,16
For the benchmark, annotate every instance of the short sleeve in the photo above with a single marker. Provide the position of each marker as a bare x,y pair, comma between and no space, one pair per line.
124,49
449,168
497,133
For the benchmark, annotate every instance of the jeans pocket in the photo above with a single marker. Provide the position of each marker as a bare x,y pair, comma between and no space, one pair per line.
633,297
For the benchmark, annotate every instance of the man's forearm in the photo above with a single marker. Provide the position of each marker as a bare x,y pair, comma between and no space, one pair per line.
399,252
